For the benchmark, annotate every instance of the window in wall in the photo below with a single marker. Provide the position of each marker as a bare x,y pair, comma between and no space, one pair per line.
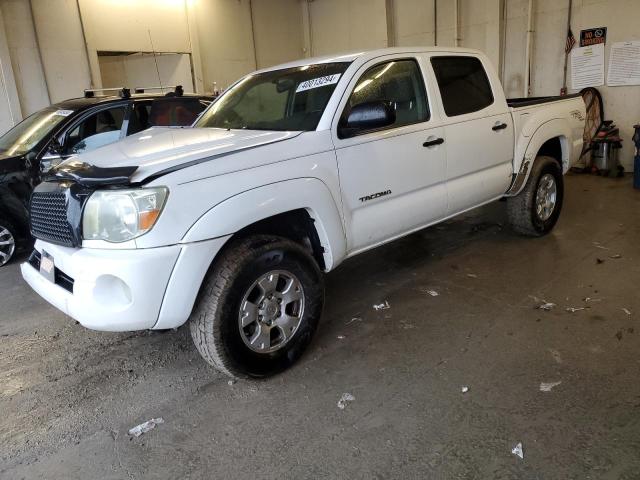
464,86
97,130
398,83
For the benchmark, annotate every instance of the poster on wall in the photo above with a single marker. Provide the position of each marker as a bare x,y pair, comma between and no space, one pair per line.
593,36
587,66
624,64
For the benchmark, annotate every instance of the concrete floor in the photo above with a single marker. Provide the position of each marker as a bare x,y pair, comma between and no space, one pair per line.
69,395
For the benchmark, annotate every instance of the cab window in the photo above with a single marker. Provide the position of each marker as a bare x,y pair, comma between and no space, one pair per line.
463,83
399,84
97,130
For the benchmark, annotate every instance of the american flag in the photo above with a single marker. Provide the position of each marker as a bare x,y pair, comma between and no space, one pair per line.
571,41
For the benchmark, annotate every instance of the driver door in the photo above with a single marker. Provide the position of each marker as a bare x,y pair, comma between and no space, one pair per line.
392,178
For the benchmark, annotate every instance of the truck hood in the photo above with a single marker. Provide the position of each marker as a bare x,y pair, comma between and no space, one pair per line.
160,150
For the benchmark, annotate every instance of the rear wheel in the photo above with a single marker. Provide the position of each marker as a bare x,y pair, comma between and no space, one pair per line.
258,308
7,241
535,210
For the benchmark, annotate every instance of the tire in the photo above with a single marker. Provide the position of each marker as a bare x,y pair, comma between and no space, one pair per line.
8,241
230,288
522,210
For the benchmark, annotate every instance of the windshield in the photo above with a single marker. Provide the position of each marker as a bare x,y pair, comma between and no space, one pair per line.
281,100
28,133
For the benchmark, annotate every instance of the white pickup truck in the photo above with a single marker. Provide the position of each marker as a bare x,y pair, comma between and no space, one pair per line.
292,170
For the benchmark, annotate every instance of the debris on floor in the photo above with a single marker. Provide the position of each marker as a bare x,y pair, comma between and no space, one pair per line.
517,450
597,245
599,260
548,386
231,382
616,256
546,306
382,306
355,319
589,299
575,309
145,427
556,355
433,293
344,400
341,337
627,311
465,389
472,275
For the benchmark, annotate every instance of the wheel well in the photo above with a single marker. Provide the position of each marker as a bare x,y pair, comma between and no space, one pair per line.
296,225
552,148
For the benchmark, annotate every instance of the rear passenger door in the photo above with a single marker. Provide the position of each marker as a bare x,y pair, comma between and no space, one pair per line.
391,178
478,131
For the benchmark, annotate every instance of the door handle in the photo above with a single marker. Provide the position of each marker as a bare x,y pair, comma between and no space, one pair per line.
500,126
433,143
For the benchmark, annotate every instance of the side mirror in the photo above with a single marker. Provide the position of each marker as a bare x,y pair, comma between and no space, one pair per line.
367,116
52,157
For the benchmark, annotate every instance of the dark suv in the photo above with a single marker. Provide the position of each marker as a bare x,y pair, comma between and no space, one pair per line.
73,126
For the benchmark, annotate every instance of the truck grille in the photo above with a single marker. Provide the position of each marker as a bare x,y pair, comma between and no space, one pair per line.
49,218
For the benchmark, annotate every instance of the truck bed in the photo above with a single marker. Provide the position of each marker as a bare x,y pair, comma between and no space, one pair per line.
527,102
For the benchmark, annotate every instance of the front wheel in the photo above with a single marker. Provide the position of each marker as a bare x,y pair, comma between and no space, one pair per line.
7,241
535,210
258,308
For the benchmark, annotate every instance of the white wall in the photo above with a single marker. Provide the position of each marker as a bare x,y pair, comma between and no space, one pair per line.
64,59
277,27
119,25
25,56
413,22
347,25
9,104
225,39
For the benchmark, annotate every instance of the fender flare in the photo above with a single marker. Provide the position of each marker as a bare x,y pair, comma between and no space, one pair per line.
554,128
251,206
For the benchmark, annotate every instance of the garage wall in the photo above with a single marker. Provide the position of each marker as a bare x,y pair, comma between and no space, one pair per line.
62,48
347,25
25,56
9,103
226,40
621,104
278,31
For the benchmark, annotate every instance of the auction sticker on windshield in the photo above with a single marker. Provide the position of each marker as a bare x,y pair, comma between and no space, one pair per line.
318,82
63,113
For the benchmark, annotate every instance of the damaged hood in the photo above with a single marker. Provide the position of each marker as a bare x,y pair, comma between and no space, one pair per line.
160,150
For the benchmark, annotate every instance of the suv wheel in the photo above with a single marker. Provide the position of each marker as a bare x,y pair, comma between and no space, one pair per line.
7,241
535,210
258,307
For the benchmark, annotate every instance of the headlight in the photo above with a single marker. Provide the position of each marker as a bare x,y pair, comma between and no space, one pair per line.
121,215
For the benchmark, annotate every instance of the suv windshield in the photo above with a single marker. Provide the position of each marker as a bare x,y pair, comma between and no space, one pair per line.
281,100
28,133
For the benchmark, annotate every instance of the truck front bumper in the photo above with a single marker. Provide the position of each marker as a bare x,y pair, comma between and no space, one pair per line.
123,290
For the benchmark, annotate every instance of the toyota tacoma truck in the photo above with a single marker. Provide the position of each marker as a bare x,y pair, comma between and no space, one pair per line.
293,169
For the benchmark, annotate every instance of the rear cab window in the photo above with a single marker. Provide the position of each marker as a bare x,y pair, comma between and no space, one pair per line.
463,83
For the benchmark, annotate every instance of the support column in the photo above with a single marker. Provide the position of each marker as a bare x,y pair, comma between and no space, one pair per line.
10,112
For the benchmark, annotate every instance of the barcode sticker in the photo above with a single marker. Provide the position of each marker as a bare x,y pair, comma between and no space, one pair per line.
318,82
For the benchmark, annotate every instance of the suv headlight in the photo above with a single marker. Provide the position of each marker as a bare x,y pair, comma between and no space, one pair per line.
121,215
